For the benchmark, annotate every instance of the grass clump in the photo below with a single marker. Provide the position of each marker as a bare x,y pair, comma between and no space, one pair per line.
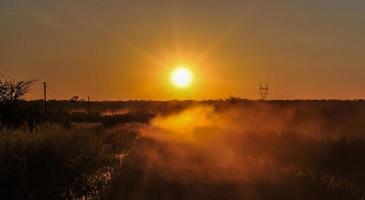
56,163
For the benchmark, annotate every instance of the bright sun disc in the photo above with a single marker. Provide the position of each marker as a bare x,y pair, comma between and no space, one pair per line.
181,77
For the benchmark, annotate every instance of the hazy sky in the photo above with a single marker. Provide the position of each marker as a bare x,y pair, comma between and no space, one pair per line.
110,49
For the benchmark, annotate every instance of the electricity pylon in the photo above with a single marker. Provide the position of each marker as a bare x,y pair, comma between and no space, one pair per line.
264,91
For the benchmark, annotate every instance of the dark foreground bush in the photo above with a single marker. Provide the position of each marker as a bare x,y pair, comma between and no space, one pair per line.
59,164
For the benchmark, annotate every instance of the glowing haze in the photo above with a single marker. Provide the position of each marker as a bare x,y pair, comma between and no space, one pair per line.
127,49
181,77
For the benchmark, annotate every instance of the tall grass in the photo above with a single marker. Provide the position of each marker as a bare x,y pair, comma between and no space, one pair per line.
56,163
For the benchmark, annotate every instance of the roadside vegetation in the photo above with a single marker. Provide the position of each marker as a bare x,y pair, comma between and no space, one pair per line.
56,163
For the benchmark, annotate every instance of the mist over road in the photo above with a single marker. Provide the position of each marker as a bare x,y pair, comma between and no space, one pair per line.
202,153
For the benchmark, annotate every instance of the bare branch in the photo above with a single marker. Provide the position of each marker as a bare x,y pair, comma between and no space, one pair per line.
12,91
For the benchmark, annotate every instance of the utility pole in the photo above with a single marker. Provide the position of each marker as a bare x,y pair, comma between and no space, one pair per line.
264,91
88,105
45,100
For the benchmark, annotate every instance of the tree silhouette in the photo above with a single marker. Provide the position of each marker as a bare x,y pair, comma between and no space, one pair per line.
13,112
13,91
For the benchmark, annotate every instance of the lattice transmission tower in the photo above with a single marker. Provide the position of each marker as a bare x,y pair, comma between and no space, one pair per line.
264,91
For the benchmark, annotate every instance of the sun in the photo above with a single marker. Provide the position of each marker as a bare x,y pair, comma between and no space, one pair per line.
181,77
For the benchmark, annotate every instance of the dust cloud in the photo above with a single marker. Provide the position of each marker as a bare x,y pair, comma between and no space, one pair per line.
260,151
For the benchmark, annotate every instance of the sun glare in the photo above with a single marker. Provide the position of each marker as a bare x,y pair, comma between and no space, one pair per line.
181,77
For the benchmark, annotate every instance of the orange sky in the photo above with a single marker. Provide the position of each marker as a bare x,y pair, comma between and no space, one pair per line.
127,49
